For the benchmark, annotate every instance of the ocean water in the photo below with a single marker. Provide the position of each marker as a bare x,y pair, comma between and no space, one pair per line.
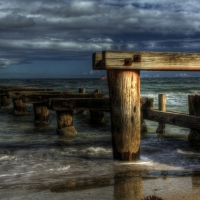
35,157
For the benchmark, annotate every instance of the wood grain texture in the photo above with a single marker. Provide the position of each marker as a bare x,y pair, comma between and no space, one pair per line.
173,118
150,61
124,90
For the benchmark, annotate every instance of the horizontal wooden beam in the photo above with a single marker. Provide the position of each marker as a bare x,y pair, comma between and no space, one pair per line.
45,98
16,87
21,90
82,104
35,93
91,103
146,61
173,118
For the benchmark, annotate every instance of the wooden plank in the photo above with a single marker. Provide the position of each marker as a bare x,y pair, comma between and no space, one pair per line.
172,118
18,90
71,104
19,94
44,98
150,61
16,87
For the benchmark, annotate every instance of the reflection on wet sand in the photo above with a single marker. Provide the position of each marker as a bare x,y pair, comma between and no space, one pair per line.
128,188
195,181
122,185
128,185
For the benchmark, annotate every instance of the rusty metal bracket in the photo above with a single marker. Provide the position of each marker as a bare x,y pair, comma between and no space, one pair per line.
129,61
137,58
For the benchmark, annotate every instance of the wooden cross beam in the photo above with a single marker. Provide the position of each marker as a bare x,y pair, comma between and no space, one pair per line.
153,61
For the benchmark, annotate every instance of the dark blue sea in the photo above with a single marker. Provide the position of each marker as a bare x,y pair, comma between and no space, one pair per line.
36,161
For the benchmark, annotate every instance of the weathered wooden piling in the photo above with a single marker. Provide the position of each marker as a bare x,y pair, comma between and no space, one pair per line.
82,91
96,116
5,102
161,107
41,113
194,109
124,89
19,108
65,123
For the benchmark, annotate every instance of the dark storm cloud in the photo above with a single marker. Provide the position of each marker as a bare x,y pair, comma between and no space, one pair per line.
63,30
15,21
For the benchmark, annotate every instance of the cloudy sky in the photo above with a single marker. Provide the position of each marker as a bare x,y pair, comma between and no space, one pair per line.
56,38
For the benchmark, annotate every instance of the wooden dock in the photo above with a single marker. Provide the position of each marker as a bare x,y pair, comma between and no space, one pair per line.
128,110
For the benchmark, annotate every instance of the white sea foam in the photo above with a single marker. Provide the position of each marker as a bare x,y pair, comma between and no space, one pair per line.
13,174
4,158
188,152
58,169
96,151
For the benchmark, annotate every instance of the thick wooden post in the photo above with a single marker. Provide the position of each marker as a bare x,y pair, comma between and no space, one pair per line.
96,116
82,91
41,113
65,123
161,107
5,102
19,108
124,89
194,109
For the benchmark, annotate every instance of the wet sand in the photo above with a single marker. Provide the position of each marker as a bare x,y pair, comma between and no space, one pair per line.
119,188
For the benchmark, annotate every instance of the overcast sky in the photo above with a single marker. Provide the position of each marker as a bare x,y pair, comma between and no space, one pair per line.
56,38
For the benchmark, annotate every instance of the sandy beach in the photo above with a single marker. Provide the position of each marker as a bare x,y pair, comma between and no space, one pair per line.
119,188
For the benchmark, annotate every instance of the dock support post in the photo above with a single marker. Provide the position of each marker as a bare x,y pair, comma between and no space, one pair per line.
161,107
19,108
41,113
124,89
194,109
96,116
82,91
65,123
5,102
